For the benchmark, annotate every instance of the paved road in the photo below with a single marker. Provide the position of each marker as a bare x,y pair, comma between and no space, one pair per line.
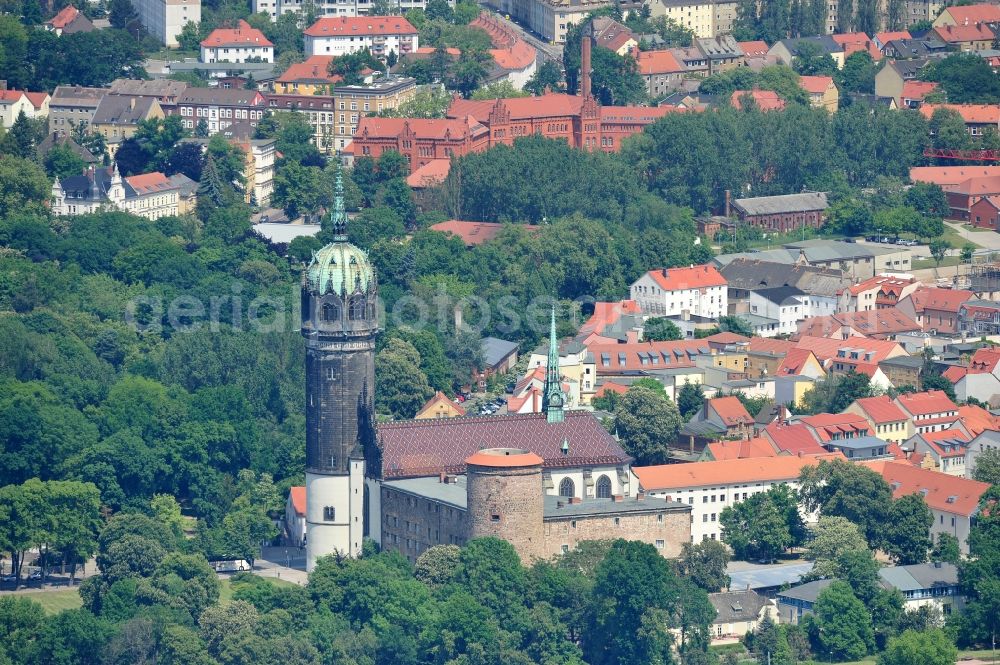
987,239
286,563
546,50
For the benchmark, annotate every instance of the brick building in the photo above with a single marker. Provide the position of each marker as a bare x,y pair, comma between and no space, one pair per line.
502,495
783,213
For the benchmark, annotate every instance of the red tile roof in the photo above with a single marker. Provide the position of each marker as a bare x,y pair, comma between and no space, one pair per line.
428,447
830,426
658,62
354,26
957,34
241,36
520,55
917,90
553,104
726,337
148,183
316,68
725,450
696,277
887,283
872,351
66,16
876,323
941,491
771,345
972,114
755,49
984,360
422,128
951,175
37,99
606,314
647,355
815,85
475,233
730,410
926,403
611,387
976,186
794,362
431,174
516,403
766,100
795,438
857,41
969,14
881,409
955,373
977,419
932,297
884,38
298,495
699,474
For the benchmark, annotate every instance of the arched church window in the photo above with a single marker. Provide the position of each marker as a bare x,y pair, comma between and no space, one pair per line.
357,310
566,488
603,487
330,312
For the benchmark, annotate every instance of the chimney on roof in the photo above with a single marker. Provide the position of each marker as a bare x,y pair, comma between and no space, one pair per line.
131,103
3,84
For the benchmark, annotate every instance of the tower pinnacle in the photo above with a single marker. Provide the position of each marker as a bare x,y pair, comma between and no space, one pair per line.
338,216
554,399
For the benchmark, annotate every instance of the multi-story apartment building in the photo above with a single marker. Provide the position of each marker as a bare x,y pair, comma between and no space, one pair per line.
164,19
930,411
219,107
240,44
258,171
698,291
117,117
149,195
380,34
335,117
71,106
275,8
708,487
697,15
552,19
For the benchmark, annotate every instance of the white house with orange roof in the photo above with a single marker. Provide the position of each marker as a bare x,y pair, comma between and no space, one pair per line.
295,516
341,35
660,70
968,15
240,44
882,38
887,420
954,501
709,487
149,195
694,291
15,102
947,448
67,21
823,93
930,411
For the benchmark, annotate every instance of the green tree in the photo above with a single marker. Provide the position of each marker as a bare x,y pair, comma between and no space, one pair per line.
438,565
690,399
501,90
832,537
121,13
658,329
61,161
965,79
932,647
946,549
907,533
23,186
297,189
859,568
190,37
987,466
74,637
401,388
839,488
648,424
840,627
547,75
858,73
705,564
755,528
735,324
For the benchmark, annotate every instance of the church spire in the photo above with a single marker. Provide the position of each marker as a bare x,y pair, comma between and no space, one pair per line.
553,400
338,215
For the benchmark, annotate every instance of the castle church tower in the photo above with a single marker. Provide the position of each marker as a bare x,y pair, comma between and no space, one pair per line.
339,324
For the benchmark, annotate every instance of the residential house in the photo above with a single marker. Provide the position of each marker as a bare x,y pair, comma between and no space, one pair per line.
698,291
890,79
15,102
947,448
984,441
860,448
878,292
844,432
55,139
787,50
499,357
439,406
985,213
719,418
858,354
977,117
693,60
855,260
972,37
311,77
696,15
881,39
165,19
709,487
382,35
915,92
980,379
979,317
876,324
739,612
799,600
763,100
240,44
783,213
67,21
823,94
965,195
949,176
935,309
786,305
149,195
820,285
187,193
793,438
888,422
764,355
661,72
118,116
928,46
853,42
930,411
612,35
902,370
295,517
513,56
259,157
671,362
968,14
934,584
476,233
219,107
726,12
722,52
72,106
754,49
165,91
738,449
954,501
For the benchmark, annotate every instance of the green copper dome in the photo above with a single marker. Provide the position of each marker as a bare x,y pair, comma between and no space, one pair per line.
340,268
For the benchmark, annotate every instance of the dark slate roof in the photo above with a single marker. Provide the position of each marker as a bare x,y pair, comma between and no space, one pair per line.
779,294
185,185
825,44
753,274
909,69
788,203
919,576
220,96
54,139
734,606
122,110
428,447
807,592
496,349
912,362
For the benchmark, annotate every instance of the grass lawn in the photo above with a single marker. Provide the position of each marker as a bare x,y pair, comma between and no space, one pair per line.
55,601
957,239
226,592
948,261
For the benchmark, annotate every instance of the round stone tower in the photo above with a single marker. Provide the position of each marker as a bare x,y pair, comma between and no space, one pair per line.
505,499
339,324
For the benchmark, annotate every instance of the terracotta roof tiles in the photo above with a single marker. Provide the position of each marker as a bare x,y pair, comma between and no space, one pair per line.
298,496
926,403
241,36
941,491
699,474
475,233
696,277
354,26
881,409
730,410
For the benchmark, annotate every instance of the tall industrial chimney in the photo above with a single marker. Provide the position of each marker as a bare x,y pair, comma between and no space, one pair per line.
585,66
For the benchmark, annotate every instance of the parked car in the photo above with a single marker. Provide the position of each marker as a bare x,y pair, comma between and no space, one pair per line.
37,575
